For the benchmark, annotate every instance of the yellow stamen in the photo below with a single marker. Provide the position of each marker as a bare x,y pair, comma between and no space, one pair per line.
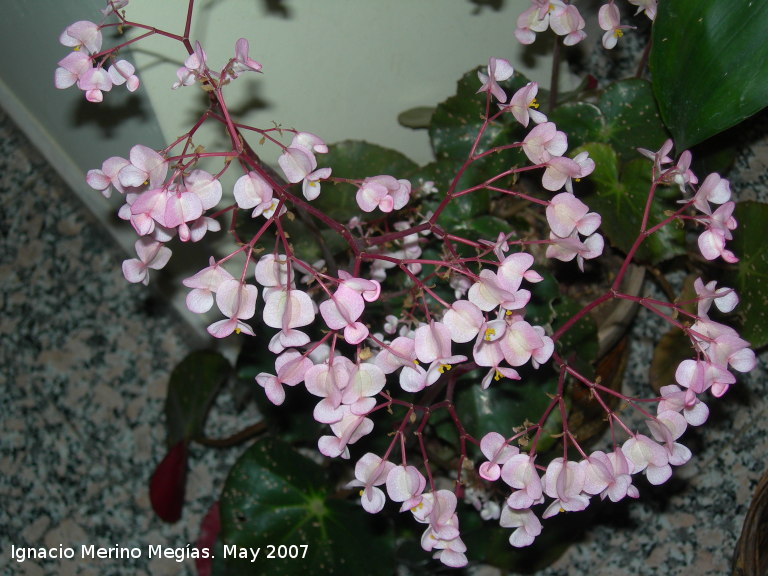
488,333
533,104
444,368
618,33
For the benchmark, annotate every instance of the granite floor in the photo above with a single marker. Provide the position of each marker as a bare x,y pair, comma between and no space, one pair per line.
85,361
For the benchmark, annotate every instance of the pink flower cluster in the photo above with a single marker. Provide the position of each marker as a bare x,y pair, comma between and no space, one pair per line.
85,66
564,19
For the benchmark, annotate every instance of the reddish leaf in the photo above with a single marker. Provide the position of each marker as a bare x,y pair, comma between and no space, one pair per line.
168,483
209,531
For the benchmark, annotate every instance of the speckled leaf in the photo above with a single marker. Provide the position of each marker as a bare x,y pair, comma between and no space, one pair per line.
582,122
709,63
751,276
507,404
620,198
275,500
192,387
457,122
632,118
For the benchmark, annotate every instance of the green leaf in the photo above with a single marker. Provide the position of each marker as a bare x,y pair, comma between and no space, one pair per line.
458,120
709,63
751,282
507,404
192,387
620,198
632,118
582,122
276,497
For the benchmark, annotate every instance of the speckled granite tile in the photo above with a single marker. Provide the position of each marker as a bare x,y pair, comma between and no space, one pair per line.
85,362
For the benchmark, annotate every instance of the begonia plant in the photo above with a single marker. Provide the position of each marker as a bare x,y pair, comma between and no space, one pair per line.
435,348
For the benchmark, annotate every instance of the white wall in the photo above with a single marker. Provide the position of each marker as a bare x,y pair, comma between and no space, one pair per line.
338,68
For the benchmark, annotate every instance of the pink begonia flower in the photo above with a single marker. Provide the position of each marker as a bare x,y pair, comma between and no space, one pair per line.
82,34
370,290
366,380
103,180
287,309
310,186
146,168
609,19
432,344
204,285
544,142
660,158
523,105
253,191
327,380
680,173
570,247
566,214
197,229
123,72
70,69
198,191
520,474
152,254
684,401
724,299
647,455
492,290
562,171
237,301
463,320
296,163
523,342
242,62
722,345
516,267
438,509
535,19
113,6
194,68
564,481
668,426
494,447
700,376
406,484
527,523
719,225
342,311
647,6
620,485
608,475
93,82
714,189
290,368
298,160
371,471
346,431
568,22
498,71
383,192
273,270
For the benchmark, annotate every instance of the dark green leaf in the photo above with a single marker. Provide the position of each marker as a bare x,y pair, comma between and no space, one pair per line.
632,118
752,270
581,121
193,385
709,63
274,496
620,198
